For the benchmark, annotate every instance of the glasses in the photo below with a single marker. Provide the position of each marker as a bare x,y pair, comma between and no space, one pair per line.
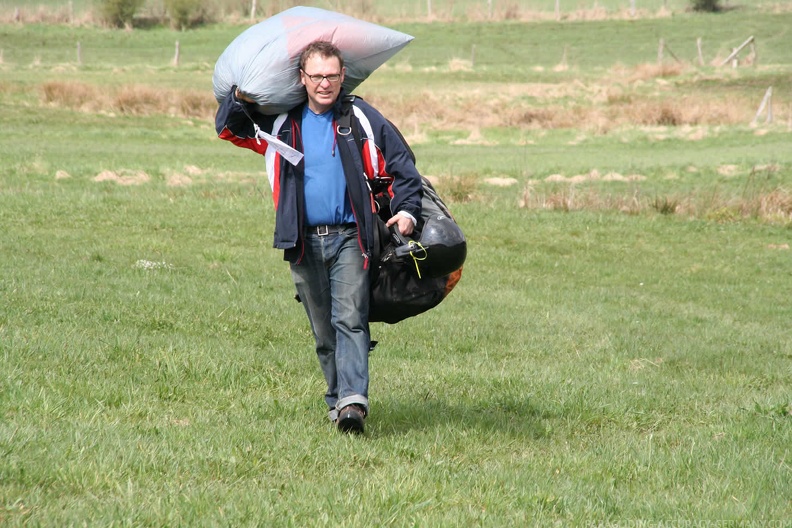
316,79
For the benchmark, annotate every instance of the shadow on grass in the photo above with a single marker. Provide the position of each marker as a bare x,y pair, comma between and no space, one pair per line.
505,416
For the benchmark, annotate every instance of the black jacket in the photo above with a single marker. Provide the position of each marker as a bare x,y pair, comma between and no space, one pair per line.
383,153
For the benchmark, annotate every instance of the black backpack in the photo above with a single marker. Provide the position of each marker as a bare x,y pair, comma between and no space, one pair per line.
398,288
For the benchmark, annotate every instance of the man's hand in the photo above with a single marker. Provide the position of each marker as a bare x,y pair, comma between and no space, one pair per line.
242,97
404,224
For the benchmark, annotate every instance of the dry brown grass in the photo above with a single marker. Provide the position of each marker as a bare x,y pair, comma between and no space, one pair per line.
457,188
77,96
37,14
772,206
645,95
575,198
141,100
453,111
620,100
129,100
236,13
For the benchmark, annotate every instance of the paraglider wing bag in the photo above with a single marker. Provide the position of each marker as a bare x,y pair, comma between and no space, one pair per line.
263,60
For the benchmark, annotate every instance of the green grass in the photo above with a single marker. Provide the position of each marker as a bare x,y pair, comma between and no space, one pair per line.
589,367
592,366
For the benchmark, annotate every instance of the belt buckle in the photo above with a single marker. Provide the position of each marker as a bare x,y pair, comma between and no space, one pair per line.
322,230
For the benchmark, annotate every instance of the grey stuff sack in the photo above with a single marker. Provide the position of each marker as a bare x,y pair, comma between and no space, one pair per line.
263,60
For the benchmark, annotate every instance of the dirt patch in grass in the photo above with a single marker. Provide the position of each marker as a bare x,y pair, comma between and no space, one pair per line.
501,182
592,176
123,177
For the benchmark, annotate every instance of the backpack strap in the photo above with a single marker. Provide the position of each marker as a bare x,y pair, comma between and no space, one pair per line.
346,125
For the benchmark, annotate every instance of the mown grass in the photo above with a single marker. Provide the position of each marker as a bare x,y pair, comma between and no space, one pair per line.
597,364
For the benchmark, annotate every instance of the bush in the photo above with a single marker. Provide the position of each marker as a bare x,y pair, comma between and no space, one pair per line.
189,13
710,6
119,13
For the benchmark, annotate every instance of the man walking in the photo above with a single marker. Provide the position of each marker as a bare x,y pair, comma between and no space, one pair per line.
324,218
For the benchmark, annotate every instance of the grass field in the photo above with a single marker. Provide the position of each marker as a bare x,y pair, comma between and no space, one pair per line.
617,353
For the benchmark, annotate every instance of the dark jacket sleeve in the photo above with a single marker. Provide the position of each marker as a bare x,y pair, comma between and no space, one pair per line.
407,186
236,122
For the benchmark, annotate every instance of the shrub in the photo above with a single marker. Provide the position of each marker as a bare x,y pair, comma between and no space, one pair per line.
119,13
710,6
189,13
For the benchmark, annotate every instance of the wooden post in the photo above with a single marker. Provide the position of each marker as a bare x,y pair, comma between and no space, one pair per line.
660,49
252,10
632,8
700,54
79,54
489,8
767,102
176,56
16,14
429,9
558,9
71,12
737,51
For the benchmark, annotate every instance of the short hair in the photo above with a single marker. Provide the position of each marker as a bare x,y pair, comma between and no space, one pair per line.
324,48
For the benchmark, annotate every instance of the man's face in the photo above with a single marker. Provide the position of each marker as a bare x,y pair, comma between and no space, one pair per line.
323,94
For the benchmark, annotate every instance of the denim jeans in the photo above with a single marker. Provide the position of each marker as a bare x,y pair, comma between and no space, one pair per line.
334,289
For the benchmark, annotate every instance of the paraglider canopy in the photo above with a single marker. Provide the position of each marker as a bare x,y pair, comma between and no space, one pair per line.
263,60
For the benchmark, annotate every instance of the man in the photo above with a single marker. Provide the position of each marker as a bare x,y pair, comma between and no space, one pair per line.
324,218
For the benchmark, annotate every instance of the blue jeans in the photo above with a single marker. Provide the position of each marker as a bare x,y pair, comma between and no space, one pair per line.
334,289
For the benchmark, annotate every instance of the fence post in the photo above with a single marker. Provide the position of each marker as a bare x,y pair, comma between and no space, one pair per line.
176,56
660,49
558,9
252,10
736,51
700,54
767,102
632,8
429,9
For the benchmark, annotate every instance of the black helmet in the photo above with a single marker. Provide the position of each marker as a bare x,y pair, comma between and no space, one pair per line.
440,249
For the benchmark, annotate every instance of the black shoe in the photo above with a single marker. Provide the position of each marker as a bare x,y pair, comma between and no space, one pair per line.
351,419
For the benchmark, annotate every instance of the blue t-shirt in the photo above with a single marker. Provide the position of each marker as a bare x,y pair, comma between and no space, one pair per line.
326,200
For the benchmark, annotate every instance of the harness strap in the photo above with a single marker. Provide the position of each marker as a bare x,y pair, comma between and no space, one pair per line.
347,125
